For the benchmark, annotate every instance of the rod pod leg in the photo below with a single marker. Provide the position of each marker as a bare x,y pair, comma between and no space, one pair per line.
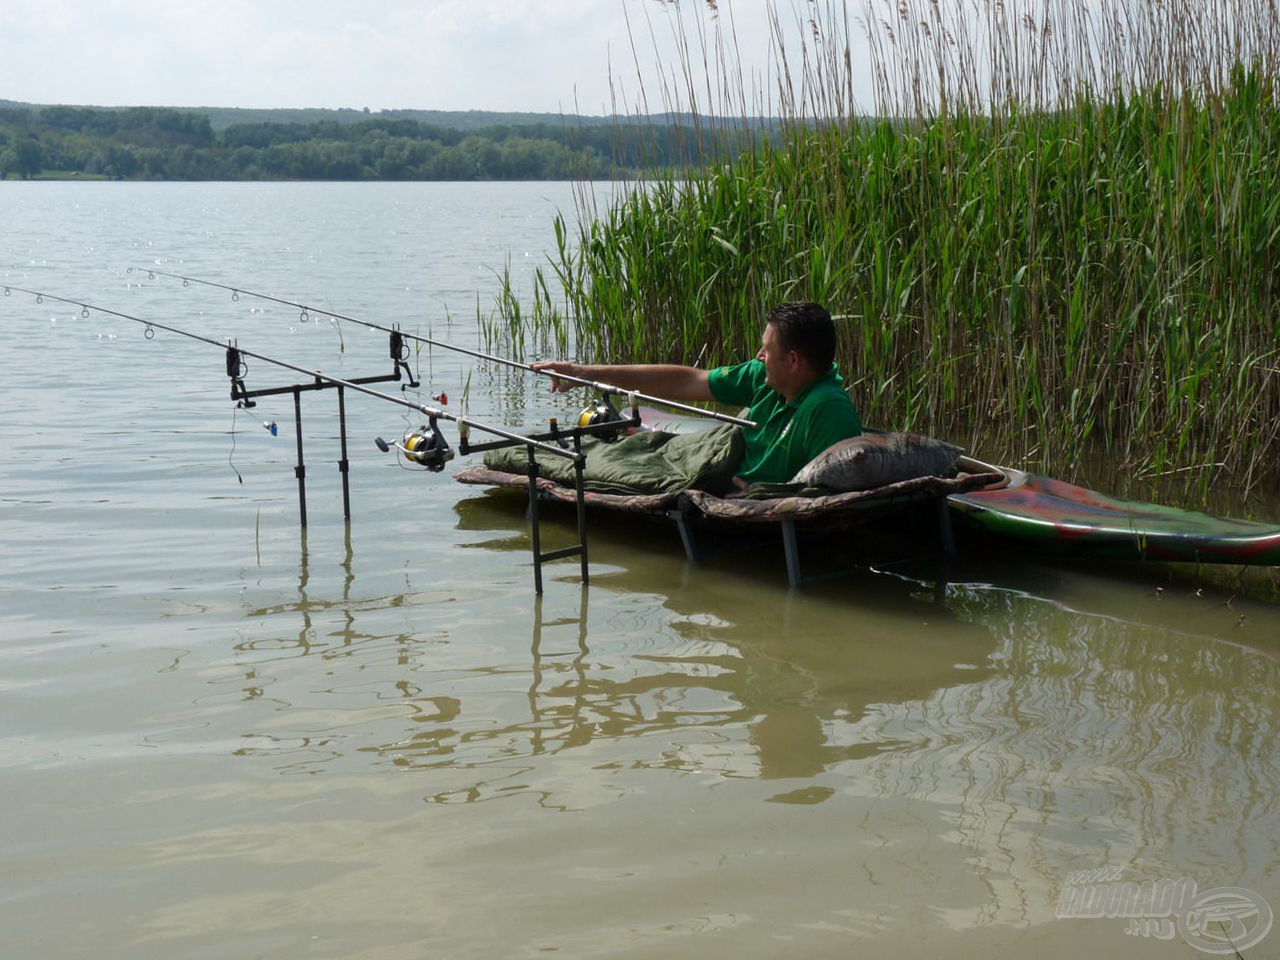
344,465
535,523
300,470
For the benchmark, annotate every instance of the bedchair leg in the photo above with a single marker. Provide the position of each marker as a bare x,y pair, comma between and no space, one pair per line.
686,534
791,547
945,533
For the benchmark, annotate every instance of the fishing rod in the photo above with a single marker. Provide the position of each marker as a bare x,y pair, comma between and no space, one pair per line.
634,397
235,355
426,446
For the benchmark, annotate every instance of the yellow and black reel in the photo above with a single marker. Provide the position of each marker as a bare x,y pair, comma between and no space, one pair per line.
601,412
425,446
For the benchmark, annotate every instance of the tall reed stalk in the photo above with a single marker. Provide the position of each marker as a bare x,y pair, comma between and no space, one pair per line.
1051,237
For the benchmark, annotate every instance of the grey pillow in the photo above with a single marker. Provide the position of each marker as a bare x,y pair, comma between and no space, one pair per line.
876,459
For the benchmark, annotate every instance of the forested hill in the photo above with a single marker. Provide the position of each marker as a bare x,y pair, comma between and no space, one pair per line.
165,143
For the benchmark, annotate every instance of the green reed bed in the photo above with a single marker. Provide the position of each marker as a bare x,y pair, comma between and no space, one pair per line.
1087,288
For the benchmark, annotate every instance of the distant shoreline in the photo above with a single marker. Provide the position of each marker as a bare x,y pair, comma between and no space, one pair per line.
163,143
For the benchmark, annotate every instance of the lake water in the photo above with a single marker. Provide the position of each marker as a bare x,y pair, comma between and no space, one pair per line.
221,737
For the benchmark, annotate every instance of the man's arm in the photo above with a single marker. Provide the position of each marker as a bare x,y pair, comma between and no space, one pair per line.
672,381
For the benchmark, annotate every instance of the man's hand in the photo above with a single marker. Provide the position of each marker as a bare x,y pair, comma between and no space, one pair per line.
560,366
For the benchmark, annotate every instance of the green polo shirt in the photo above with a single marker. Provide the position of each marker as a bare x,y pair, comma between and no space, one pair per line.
789,435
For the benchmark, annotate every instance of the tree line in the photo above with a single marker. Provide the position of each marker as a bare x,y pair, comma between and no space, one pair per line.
158,143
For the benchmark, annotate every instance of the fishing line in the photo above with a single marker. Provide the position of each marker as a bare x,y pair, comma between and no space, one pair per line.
333,321
417,375
431,359
232,452
269,425
633,396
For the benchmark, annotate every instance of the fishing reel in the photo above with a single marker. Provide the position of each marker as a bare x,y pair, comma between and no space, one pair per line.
425,446
601,412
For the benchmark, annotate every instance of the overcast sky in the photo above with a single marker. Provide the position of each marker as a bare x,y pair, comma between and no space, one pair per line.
569,56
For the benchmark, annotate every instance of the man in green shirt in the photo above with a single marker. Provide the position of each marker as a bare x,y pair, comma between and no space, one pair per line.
791,388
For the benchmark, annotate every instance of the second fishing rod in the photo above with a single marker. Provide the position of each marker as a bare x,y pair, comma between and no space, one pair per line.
633,396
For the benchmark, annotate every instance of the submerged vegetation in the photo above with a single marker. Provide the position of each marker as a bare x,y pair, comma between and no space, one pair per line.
1053,237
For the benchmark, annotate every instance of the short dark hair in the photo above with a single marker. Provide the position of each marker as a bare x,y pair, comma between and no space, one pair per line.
806,328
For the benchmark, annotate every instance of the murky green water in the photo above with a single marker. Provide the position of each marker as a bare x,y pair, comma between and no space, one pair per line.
223,738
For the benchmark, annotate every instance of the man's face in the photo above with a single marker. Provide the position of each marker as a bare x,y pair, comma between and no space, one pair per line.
779,364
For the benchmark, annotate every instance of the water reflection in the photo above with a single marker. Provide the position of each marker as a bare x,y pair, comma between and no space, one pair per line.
657,657
1062,716
341,633
1034,720
563,710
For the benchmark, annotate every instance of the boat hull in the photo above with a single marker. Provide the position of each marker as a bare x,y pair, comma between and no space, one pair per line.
1054,517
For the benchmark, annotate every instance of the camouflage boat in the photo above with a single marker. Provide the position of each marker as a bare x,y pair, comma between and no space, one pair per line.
1053,517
